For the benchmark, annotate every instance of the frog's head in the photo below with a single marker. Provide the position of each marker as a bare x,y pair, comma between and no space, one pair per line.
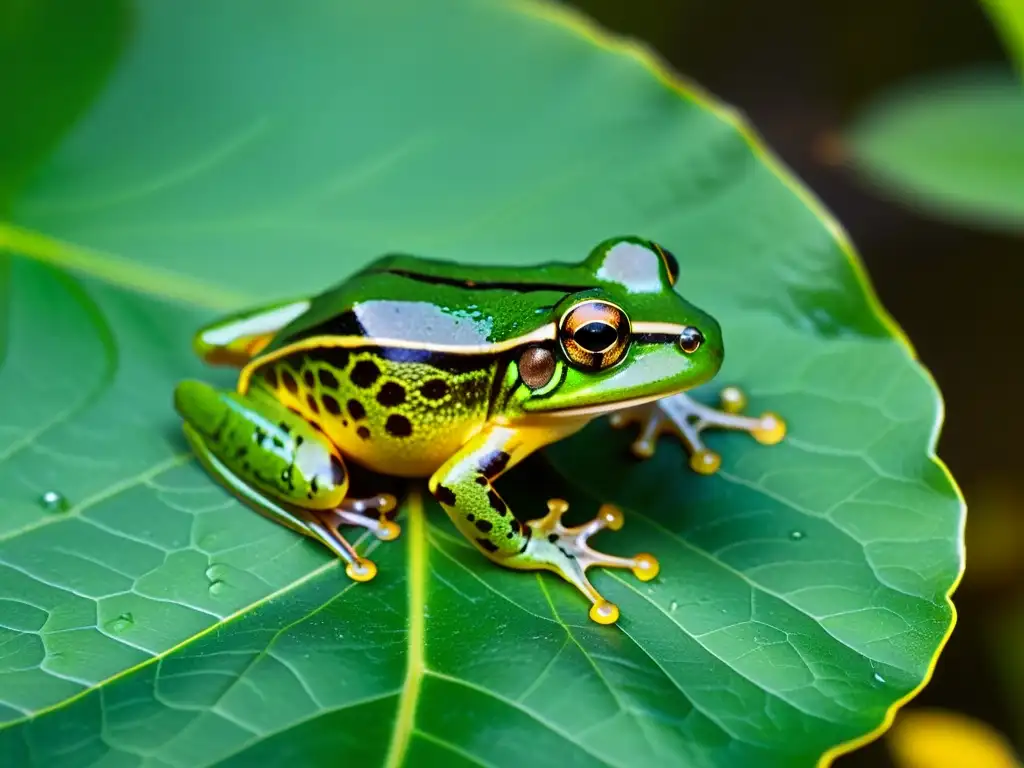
629,339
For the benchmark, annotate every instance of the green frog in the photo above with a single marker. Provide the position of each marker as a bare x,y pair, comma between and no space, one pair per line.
423,368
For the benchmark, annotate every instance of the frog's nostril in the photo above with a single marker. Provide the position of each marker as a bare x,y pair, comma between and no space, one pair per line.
690,339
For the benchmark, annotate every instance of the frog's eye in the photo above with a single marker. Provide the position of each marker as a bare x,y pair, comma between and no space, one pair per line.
690,339
594,334
671,263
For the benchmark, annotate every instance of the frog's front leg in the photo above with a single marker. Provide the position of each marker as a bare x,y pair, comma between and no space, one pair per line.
685,418
235,339
464,488
281,466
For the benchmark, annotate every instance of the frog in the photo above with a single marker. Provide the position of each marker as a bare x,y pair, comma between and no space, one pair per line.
454,373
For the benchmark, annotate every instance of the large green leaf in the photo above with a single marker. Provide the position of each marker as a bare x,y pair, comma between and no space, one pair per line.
952,145
244,150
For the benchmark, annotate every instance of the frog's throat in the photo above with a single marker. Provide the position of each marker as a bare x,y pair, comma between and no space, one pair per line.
600,409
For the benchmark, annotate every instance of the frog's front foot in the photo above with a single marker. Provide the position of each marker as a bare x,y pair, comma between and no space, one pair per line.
685,418
565,551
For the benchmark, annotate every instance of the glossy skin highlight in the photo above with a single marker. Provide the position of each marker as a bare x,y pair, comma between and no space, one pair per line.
423,368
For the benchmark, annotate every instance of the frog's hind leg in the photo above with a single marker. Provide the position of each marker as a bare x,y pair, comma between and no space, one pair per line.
237,338
686,418
279,465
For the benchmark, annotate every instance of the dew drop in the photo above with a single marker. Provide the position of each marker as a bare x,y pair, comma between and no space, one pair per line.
215,575
121,623
673,606
879,678
796,535
52,501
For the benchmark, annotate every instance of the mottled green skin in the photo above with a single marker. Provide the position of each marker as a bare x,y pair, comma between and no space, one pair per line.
411,367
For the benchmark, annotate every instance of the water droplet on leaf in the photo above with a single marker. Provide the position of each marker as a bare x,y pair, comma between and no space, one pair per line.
215,575
673,606
121,623
796,535
52,501
879,678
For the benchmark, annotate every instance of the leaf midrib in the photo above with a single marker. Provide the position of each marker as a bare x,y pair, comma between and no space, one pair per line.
116,270
416,571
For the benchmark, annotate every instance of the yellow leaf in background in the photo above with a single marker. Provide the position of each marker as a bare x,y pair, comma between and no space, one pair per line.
941,739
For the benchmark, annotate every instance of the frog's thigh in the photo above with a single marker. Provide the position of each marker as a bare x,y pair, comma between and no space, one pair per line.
464,488
271,460
235,339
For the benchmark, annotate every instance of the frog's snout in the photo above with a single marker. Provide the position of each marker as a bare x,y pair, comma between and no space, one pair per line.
199,404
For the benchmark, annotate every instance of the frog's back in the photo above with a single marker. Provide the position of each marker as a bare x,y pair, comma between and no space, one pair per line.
426,301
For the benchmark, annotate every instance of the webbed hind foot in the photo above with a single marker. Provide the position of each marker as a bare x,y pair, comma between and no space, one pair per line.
354,512
280,466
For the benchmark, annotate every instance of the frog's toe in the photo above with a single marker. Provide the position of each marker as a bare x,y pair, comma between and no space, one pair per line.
733,399
652,424
705,462
371,514
686,419
324,526
771,430
361,569
566,551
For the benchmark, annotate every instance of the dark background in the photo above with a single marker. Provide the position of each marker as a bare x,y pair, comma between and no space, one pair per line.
801,71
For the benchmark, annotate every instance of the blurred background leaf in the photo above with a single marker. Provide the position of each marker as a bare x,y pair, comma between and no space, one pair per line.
953,145
50,73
